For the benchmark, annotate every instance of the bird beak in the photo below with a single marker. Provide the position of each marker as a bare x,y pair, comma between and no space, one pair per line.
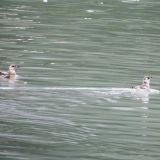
17,66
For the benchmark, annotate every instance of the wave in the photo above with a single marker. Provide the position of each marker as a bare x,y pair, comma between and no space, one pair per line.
110,94
111,90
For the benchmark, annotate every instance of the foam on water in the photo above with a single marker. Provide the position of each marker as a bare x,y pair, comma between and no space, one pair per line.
95,90
113,90
130,1
135,91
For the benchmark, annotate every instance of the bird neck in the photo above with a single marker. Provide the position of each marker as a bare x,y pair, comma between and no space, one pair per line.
11,72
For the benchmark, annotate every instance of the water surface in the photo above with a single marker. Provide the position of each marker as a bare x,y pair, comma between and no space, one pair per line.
78,59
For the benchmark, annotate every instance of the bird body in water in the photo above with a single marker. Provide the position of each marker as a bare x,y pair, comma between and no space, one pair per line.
10,74
145,83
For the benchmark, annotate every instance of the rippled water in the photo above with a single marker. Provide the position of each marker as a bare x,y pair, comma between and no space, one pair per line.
78,61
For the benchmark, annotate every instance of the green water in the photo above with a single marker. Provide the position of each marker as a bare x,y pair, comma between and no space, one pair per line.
77,60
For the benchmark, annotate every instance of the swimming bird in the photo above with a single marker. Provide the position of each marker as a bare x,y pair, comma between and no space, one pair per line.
145,83
11,73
